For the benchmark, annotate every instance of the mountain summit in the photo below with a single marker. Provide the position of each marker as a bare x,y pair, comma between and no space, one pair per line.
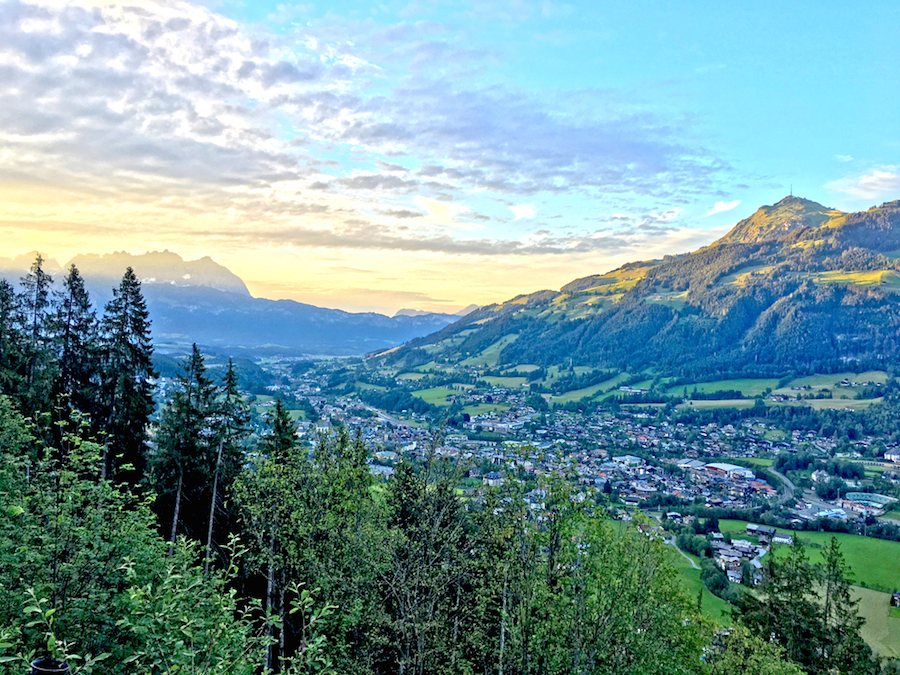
773,222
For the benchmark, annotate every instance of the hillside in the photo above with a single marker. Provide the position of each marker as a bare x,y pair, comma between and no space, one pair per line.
797,287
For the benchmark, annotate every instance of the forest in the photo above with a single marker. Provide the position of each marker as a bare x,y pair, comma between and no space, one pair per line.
181,541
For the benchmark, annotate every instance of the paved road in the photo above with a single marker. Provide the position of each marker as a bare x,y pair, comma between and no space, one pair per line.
384,417
671,542
789,487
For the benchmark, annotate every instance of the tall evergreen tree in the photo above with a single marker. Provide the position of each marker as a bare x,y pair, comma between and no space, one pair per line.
11,340
127,370
181,465
232,428
75,334
35,303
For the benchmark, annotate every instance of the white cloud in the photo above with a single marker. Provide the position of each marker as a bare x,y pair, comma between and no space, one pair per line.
521,211
843,158
881,182
722,207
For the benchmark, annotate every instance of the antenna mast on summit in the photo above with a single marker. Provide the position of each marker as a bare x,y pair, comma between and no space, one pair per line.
792,189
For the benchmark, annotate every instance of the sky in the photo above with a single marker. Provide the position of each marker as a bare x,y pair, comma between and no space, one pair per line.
428,154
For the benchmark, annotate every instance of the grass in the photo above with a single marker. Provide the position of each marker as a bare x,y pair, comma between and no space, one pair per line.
711,606
737,403
893,515
862,278
435,395
484,408
872,562
490,355
411,376
832,380
593,390
748,387
882,627
510,382
832,403
758,461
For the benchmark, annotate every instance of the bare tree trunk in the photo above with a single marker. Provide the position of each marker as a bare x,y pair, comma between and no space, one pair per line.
270,600
212,512
177,513
281,633
503,627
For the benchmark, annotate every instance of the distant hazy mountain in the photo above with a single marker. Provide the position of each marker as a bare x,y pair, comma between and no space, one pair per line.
201,301
797,287
421,312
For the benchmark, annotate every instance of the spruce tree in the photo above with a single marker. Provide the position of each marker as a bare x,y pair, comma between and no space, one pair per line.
127,370
11,340
35,304
232,428
181,465
75,334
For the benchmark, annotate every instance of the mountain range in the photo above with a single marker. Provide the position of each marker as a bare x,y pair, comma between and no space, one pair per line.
201,301
796,287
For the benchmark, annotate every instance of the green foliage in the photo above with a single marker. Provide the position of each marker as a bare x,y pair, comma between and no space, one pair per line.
820,637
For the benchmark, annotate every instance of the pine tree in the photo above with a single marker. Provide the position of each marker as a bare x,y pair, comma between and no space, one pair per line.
127,370
75,334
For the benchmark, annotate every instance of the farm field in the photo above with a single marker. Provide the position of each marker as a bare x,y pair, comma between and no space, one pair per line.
593,390
484,408
748,387
738,403
435,395
411,376
490,355
509,382
881,630
832,380
758,461
833,403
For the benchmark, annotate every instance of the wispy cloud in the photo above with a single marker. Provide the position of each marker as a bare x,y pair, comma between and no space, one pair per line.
877,183
721,207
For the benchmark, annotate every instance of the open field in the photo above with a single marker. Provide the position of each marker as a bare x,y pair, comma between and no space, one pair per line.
435,395
509,382
738,403
881,630
872,562
832,403
758,461
593,390
712,606
484,408
411,376
491,354
831,381
860,278
748,387
365,386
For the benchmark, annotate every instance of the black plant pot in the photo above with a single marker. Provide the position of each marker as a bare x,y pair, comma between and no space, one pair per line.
49,666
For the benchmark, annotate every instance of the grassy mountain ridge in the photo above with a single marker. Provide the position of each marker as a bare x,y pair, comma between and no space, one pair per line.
795,287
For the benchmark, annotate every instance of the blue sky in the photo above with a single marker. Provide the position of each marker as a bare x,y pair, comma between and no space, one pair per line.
432,154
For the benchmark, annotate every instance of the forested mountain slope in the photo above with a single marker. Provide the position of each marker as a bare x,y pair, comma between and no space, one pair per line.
795,287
